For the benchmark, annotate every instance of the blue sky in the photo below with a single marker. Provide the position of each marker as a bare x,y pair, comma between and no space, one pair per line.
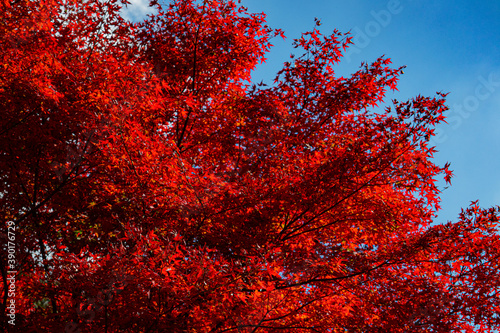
449,46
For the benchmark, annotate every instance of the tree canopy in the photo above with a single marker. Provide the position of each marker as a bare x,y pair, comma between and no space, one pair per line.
148,185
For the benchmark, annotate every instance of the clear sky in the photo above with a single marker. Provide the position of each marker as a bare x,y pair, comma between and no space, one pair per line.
449,46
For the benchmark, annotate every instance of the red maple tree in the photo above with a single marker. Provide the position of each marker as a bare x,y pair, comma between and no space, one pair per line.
148,186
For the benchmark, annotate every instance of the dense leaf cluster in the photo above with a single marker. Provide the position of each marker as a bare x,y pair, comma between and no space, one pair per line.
154,188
